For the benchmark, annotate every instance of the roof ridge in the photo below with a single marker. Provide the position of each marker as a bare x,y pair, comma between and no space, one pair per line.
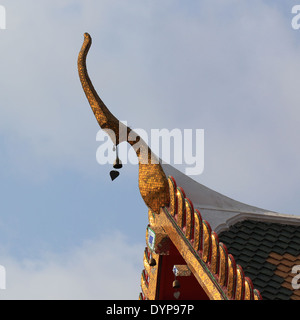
222,211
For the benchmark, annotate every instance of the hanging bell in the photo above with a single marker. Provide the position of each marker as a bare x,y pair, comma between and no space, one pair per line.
152,262
114,174
176,284
117,163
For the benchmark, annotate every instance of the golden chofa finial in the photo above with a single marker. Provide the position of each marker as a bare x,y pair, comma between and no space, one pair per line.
153,183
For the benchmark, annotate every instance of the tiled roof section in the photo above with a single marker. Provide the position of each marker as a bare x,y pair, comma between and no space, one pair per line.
206,243
267,252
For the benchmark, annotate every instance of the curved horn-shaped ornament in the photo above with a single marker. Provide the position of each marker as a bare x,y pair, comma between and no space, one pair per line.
153,183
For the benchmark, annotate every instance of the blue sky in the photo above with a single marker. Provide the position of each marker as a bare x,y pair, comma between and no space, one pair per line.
231,68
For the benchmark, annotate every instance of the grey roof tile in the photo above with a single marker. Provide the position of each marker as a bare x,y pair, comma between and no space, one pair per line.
296,239
294,246
269,296
267,272
293,251
254,242
281,296
280,248
270,237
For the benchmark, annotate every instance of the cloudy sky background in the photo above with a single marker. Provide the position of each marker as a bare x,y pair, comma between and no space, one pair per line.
229,67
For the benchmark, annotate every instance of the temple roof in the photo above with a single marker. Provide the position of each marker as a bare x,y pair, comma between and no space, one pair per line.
265,244
191,217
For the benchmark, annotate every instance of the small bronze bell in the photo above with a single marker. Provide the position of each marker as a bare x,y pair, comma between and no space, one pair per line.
152,262
117,163
176,284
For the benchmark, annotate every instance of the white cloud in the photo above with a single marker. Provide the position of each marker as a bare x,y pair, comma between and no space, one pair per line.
106,269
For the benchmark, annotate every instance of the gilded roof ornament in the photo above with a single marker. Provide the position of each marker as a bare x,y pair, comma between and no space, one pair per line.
153,183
